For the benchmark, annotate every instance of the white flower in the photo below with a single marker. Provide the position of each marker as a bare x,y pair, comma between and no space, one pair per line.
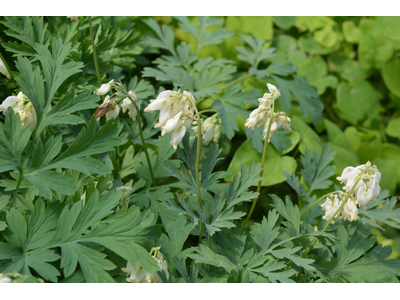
159,102
274,91
330,207
367,188
5,280
171,124
209,134
31,118
142,276
128,104
15,102
177,137
4,70
176,113
125,189
364,196
76,19
114,112
211,129
217,133
375,188
105,88
350,211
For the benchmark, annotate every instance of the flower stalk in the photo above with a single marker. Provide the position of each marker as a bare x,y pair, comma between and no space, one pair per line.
139,121
96,63
264,155
197,164
340,207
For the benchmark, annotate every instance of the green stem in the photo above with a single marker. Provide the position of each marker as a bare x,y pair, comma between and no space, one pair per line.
236,80
139,121
264,155
339,209
207,111
7,67
145,149
197,165
21,172
96,63
316,202
17,187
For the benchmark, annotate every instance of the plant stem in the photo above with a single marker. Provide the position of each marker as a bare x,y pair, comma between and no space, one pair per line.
339,208
7,67
139,121
316,202
145,148
96,63
17,187
236,80
264,155
207,111
197,164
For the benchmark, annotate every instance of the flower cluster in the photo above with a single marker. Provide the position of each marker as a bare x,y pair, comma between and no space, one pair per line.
74,19
110,107
21,105
5,279
367,189
211,129
261,116
142,276
176,113
3,69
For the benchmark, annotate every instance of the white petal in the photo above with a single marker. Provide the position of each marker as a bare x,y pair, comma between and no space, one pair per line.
3,69
126,104
271,88
177,137
171,124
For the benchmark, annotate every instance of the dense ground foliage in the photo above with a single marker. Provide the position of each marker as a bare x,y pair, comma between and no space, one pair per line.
91,190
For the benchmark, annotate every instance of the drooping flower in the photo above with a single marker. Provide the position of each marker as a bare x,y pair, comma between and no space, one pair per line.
367,188
350,211
105,88
261,116
176,114
4,278
15,102
21,105
4,70
75,19
127,104
109,108
142,276
330,206
211,129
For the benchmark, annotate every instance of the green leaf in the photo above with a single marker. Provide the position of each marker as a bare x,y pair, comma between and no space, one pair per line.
351,32
345,154
390,74
308,138
231,105
393,128
370,266
374,50
306,96
349,69
274,163
206,256
178,231
29,30
13,141
284,22
357,100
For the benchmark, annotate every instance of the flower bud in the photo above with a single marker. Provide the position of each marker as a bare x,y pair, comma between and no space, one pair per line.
4,70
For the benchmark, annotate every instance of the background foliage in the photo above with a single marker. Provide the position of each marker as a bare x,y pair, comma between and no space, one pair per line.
340,84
